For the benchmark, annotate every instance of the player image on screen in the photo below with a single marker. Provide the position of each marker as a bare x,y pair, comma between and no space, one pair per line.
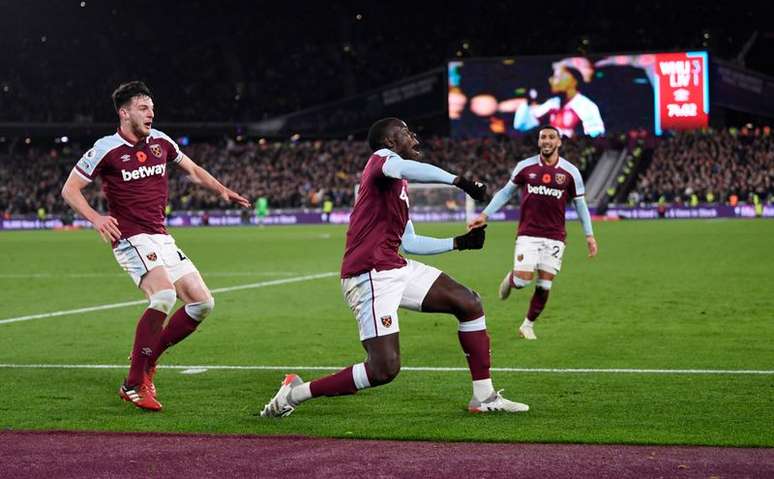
569,111
546,181
376,280
132,164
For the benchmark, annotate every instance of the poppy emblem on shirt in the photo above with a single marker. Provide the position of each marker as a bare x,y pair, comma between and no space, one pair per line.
546,178
141,156
151,256
156,150
560,178
387,321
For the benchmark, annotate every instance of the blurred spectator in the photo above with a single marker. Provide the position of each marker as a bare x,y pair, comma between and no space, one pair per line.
724,166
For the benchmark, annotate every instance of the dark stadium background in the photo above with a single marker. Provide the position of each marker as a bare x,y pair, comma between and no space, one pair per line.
247,61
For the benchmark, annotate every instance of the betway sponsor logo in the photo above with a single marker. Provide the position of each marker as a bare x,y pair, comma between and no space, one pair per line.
144,172
545,191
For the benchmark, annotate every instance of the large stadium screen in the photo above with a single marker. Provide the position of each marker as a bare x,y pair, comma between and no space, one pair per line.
588,95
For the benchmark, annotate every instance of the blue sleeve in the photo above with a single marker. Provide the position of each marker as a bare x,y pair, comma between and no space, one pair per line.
397,167
500,199
415,244
583,215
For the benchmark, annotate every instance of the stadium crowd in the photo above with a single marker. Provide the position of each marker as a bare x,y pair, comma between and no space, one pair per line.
715,166
725,166
290,174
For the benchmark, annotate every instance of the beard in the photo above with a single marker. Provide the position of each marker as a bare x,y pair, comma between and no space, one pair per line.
546,152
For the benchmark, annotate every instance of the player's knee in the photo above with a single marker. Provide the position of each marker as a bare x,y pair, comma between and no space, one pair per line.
199,311
469,306
544,284
522,279
384,370
519,282
163,300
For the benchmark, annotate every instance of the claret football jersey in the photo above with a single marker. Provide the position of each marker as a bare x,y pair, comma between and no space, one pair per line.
134,179
377,222
545,191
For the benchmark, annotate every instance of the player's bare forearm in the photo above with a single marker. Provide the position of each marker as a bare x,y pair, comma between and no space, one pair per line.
106,226
208,181
202,177
71,193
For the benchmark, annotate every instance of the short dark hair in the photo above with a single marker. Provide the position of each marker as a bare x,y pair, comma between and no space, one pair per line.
575,74
549,127
378,132
126,91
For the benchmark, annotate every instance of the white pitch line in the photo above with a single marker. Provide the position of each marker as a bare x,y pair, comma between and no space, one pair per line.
410,368
101,307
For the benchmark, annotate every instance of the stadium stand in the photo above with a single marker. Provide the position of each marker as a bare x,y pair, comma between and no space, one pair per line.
712,166
302,174
290,174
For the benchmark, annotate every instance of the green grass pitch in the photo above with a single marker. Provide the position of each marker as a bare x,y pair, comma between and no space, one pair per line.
661,295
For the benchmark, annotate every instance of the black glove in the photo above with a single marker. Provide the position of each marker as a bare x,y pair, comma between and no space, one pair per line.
475,189
473,239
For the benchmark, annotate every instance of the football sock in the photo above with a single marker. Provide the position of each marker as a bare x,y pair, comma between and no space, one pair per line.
527,323
483,389
146,339
179,326
475,343
347,381
517,282
300,393
537,303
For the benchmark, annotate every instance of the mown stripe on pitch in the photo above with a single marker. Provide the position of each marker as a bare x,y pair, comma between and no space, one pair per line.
101,307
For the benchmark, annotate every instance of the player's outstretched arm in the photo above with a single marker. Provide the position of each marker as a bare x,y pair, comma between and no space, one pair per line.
106,226
413,243
499,200
585,218
202,177
397,167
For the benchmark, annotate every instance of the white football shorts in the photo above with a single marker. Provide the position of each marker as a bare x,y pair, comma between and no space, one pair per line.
375,297
538,253
141,253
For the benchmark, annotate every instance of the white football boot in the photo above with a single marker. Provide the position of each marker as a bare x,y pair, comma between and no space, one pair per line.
505,286
280,405
527,332
496,403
